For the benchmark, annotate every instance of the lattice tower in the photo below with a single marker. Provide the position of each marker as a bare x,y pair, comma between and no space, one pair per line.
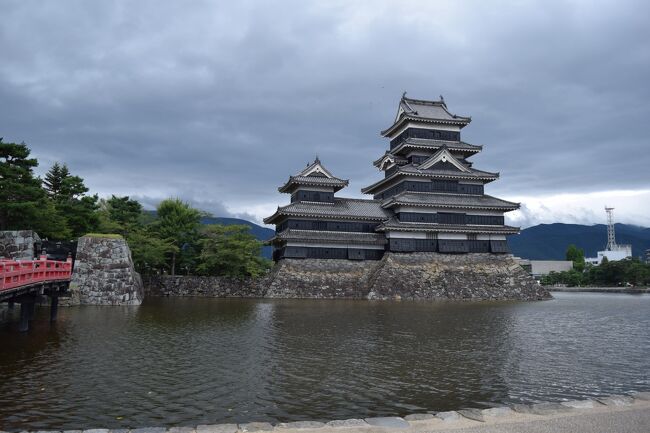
611,235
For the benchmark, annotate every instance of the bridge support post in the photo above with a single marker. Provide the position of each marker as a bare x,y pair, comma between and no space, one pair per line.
25,308
54,308
31,308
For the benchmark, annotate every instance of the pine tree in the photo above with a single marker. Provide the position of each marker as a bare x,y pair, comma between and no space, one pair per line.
23,202
68,194
53,182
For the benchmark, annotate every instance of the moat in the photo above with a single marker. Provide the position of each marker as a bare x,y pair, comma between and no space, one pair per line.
193,361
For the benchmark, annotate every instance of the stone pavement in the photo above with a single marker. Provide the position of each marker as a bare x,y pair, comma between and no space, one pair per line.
611,415
614,414
627,420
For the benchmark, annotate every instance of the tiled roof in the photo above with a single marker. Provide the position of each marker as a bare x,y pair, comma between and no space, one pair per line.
315,174
329,236
346,208
411,170
397,159
449,200
394,224
428,144
314,181
435,144
427,111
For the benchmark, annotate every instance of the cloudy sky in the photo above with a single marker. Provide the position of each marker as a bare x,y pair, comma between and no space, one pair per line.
218,102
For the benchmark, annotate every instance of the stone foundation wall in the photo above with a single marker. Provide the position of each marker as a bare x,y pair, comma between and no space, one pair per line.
213,287
396,276
104,274
321,278
449,276
18,244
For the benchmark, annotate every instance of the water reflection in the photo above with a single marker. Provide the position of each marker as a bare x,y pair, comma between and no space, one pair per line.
193,361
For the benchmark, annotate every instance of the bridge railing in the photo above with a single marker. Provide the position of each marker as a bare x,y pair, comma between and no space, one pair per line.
17,273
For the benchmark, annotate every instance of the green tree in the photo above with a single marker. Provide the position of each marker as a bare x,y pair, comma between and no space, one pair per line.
68,193
23,202
124,210
120,215
619,272
53,182
570,278
149,252
577,256
636,273
178,225
231,251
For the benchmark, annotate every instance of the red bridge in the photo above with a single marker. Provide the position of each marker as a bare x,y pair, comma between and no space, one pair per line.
24,281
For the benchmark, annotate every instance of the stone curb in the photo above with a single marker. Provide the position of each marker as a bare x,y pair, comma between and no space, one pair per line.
392,422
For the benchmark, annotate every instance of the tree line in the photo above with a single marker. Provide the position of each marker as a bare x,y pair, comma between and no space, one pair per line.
171,240
630,271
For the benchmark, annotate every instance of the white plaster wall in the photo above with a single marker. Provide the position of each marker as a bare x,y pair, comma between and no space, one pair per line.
406,235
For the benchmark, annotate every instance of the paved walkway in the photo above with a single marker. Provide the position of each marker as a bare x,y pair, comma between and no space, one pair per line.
629,420
593,417
613,414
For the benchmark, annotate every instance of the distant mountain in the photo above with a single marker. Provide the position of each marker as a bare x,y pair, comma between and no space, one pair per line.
261,233
540,242
549,241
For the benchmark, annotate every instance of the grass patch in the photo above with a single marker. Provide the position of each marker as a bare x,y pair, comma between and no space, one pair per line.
103,235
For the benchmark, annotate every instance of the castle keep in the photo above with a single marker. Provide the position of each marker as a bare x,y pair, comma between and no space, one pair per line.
431,198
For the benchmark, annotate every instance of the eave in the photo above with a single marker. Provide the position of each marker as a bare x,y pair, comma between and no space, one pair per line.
320,236
396,159
459,121
465,176
439,143
290,185
448,228
390,203
282,213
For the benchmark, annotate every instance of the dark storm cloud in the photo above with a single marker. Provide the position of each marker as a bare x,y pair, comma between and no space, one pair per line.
218,102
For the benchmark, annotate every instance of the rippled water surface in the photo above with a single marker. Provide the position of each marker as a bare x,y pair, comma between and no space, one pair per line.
193,361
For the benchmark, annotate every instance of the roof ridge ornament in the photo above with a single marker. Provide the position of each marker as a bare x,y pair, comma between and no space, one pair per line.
410,109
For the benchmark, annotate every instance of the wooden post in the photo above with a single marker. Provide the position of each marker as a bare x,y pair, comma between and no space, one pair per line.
54,308
10,305
23,326
31,308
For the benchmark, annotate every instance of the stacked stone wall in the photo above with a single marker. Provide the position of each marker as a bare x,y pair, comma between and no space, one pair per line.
449,276
104,274
213,287
18,244
321,278
396,276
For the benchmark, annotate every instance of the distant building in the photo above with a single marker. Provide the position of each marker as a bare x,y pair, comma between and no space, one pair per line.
622,252
539,268
647,256
430,199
